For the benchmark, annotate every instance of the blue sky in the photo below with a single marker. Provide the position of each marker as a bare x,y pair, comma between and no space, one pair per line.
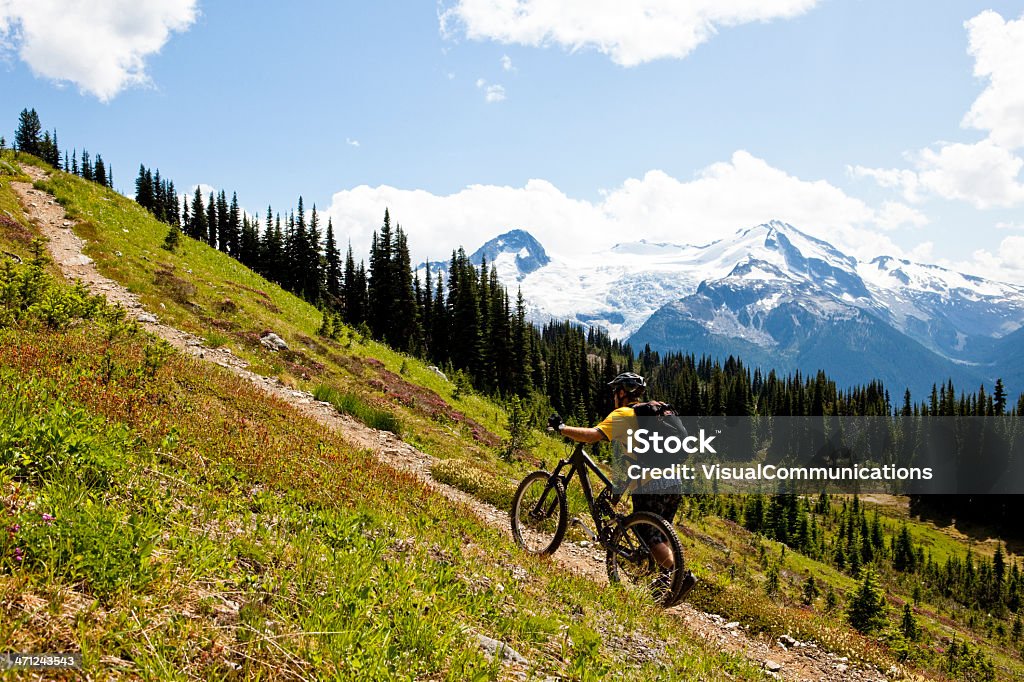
851,119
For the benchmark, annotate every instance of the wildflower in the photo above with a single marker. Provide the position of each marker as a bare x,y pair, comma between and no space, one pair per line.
13,530
48,518
18,554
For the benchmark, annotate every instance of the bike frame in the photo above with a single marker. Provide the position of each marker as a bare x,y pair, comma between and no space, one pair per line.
579,463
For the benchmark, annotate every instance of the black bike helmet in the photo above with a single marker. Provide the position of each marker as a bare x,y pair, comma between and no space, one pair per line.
632,383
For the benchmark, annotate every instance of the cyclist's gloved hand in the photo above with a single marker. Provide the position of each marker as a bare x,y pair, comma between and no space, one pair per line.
555,423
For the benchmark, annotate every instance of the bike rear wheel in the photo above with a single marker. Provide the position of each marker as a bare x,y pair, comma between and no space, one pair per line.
631,560
540,513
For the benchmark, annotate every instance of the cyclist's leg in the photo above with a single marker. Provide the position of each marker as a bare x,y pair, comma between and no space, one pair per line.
664,506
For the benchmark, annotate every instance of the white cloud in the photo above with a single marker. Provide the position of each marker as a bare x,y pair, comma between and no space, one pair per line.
1005,265
492,93
998,50
984,174
1005,225
100,45
629,32
723,198
350,142
506,63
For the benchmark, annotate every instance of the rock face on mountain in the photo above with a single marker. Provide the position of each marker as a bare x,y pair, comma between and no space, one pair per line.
795,302
515,249
780,298
515,253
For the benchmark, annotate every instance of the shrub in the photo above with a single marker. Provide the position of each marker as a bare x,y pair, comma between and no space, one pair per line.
520,437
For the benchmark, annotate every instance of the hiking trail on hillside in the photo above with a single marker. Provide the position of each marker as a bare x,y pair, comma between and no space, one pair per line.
783,659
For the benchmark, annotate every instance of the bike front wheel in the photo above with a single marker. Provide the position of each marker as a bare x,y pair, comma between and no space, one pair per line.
540,513
633,556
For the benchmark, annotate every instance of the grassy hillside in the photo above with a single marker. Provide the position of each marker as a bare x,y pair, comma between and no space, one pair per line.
170,521
271,532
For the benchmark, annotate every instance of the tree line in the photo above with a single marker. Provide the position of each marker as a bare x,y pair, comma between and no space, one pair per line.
463,319
30,138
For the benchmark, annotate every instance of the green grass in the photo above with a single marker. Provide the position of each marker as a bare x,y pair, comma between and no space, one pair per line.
351,404
232,505
169,520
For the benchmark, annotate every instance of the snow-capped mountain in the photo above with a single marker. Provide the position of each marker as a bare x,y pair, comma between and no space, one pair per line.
778,297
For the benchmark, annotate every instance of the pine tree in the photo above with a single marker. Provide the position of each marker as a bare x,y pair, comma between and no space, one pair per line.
199,228
866,610
144,189
172,239
212,226
86,166
332,262
810,591
28,135
404,331
99,172
999,398
225,234
382,281
908,624
234,221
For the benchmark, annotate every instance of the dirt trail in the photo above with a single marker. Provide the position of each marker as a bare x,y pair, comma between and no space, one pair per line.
799,661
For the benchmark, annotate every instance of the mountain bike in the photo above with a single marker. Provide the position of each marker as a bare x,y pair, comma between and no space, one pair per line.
540,518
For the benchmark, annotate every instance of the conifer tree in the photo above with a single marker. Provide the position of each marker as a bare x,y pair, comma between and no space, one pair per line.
99,172
199,227
28,135
212,226
86,166
332,262
225,236
866,610
908,624
234,221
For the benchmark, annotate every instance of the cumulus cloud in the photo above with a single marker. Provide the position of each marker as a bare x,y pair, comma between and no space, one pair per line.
1005,265
506,63
351,142
101,45
986,173
998,50
720,200
629,32
982,174
492,93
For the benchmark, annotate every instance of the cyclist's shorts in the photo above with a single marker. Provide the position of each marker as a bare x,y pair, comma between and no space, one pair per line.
664,506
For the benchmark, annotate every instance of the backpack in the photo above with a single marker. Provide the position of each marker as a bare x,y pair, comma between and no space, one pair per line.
669,422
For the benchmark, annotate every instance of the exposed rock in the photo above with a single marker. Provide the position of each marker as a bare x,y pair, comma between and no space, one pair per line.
493,647
772,666
147,318
273,342
787,641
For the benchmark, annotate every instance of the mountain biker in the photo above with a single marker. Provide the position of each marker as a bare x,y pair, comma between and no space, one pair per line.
628,390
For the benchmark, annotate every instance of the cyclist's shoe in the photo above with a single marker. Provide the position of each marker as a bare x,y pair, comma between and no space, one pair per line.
689,580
